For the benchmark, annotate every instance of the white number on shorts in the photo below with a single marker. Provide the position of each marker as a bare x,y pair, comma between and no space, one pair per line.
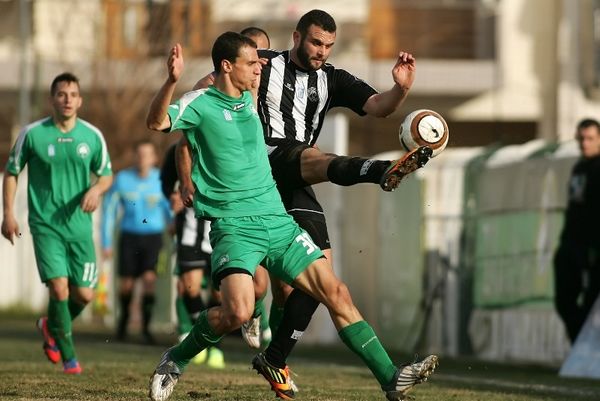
89,271
307,242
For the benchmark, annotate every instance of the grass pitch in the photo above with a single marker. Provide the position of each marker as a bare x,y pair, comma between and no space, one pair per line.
120,371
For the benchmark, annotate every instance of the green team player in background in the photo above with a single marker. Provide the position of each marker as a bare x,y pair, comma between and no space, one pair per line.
61,151
236,190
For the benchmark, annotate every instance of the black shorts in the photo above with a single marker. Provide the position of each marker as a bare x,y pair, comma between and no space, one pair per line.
193,247
138,253
298,197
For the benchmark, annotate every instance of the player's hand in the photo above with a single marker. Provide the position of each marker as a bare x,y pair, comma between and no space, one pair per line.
404,70
176,202
175,63
91,200
205,82
187,191
10,228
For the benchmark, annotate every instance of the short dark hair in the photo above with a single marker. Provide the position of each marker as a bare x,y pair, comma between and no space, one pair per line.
255,31
316,17
588,122
227,47
64,77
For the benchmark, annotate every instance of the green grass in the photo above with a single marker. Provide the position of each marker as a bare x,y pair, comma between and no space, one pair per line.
114,371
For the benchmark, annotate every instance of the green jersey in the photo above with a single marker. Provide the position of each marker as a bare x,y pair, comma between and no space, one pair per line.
59,166
231,169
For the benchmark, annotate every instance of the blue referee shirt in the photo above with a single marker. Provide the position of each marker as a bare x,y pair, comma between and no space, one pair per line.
145,210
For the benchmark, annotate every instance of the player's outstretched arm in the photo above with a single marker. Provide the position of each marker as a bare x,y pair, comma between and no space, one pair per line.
385,103
10,227
157,118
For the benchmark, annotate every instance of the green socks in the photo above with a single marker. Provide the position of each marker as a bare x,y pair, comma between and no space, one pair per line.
361,339
184,321
202,336
75,308
59,325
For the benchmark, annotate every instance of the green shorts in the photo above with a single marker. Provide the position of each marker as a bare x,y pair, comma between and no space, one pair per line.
275,242
75,260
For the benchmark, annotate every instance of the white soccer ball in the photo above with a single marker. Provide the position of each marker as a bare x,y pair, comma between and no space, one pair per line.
424,128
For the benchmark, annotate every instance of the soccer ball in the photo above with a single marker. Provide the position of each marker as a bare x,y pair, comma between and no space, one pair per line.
424,128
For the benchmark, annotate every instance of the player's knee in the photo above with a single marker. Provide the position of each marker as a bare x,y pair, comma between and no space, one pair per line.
338,296
82,295
234,318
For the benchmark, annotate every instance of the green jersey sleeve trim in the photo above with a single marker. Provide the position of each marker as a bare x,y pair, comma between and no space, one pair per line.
181,115
103,169
15,165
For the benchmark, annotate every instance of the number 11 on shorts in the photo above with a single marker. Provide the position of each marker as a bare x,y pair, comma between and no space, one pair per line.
306,242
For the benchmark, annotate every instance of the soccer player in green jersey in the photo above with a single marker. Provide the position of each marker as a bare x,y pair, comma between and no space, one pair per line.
61,152
236,190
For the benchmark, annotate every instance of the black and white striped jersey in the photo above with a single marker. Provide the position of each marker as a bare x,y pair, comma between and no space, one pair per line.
292,102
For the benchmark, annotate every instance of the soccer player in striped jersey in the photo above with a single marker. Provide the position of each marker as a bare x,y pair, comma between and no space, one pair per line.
61,151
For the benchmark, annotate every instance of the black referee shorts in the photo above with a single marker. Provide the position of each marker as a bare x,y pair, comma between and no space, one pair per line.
138,253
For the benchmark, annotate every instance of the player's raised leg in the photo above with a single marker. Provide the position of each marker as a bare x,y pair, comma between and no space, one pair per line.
317,167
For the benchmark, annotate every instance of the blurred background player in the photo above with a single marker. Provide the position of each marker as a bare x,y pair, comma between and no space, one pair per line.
137,196
192,262
61,152
577,259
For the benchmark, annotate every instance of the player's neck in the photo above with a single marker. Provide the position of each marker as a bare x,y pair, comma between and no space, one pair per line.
224,85
143,172
64,124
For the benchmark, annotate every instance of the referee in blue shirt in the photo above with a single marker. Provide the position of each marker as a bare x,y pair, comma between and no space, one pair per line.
137,200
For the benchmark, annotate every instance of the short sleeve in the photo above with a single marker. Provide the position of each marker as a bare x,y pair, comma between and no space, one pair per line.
101,164
19,154
183,114
350,91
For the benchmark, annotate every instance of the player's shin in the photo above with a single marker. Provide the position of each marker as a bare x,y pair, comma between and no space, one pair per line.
202,336
59,325
345,170
297,313
75,308
361,339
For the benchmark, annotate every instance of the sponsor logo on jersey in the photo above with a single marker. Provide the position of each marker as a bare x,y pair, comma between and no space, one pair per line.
63,140
227,115
83,150
289,86
51,150
313,96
